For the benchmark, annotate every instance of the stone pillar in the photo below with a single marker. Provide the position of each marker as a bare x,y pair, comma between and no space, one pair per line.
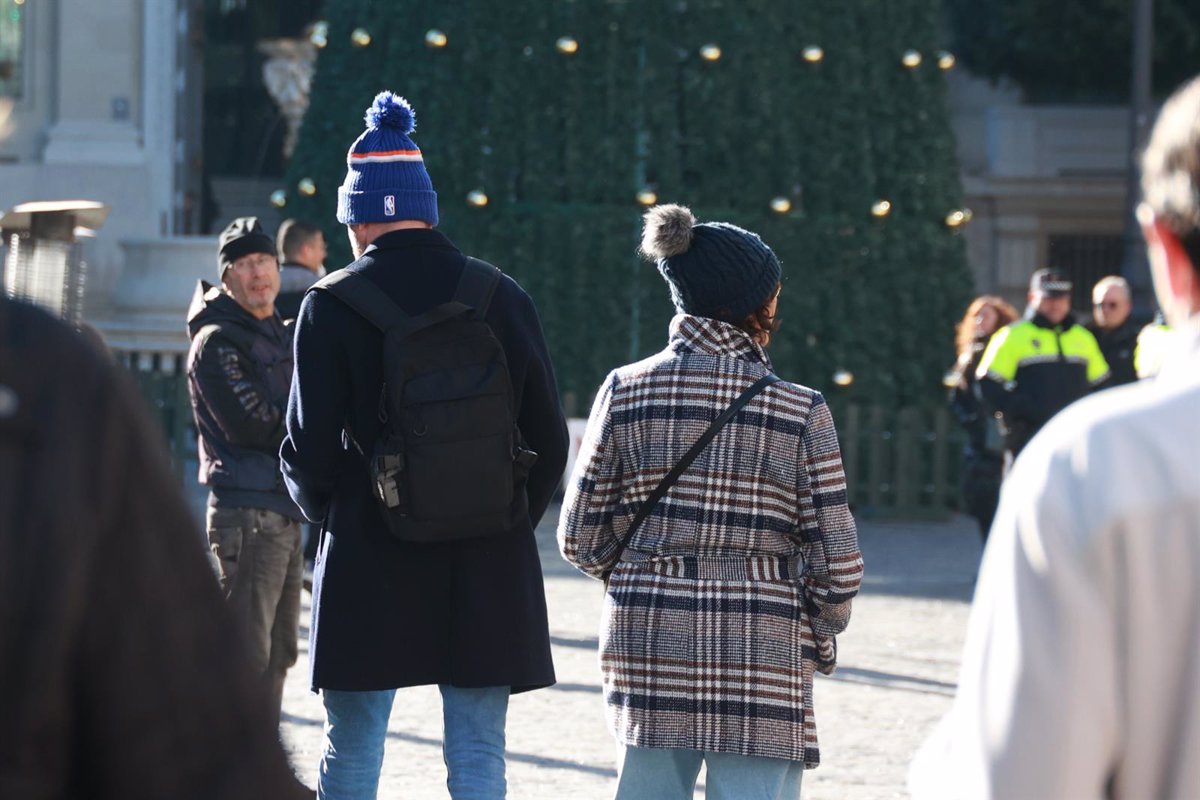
97,122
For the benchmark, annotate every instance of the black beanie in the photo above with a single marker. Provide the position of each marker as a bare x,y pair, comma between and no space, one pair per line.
242,237
713,269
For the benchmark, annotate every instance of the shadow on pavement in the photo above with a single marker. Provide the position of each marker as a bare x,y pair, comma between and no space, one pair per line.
587,688
892,680
590,643
541,761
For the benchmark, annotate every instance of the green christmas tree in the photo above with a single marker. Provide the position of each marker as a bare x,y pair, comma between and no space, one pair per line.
547,126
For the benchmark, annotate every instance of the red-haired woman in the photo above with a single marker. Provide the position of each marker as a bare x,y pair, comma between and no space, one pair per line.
983,460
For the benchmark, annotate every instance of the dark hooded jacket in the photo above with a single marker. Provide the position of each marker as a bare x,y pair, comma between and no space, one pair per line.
1118,346
239,373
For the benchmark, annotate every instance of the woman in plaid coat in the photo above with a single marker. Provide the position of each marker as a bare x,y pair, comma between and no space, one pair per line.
729,595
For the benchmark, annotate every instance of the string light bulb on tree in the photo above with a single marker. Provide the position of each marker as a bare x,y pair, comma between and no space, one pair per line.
435,39
360,37
955,219
477,198
881,208
320,34
911,59
843,378
307,187
639,91
279,198
946,60
567,46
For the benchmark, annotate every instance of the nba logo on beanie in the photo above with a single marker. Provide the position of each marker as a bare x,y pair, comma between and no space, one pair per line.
389,205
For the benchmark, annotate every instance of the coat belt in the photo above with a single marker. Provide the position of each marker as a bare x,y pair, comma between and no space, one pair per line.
720,568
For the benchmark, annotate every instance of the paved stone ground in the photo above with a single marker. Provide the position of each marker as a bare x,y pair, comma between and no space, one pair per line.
898,664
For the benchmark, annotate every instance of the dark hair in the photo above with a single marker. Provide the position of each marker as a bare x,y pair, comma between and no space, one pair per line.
760,324
1171,168
294,234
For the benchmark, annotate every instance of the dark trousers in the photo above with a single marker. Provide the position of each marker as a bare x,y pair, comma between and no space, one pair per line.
261,567
982,473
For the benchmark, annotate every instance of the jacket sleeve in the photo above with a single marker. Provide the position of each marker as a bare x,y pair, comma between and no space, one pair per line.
995,375
541,418
1099,376
586,537
833,565
311,454
226,381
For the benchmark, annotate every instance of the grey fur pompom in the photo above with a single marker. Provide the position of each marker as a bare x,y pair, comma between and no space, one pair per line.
668,231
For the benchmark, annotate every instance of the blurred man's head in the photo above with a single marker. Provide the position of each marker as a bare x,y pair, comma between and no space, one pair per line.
1170,214
301,243
1050,295
1110,302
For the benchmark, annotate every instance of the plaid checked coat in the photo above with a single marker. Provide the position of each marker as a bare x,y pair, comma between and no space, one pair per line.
729,595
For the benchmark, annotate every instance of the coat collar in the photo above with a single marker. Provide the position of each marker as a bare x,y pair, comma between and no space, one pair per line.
704,335
1033,316
410,237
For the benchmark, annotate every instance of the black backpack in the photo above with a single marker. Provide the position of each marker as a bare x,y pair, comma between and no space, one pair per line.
449,462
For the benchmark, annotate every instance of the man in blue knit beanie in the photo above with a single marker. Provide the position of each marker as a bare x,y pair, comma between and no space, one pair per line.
467,613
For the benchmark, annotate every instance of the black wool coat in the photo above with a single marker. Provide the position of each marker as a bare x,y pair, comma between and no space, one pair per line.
386,613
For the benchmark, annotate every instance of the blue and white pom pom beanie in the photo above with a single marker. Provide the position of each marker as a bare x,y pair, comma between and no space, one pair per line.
386,179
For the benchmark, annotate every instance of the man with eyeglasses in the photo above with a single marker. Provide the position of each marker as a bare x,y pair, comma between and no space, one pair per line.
1114,327
239,375
1037,366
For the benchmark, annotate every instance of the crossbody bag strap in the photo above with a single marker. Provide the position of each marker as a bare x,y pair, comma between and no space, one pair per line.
671,477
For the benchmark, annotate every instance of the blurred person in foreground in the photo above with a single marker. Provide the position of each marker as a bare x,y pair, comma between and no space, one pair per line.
722,606
123,675
1080,674
983,452
1114,327
1037,366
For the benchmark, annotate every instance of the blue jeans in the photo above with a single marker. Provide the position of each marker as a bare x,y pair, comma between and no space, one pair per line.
670,774
472,742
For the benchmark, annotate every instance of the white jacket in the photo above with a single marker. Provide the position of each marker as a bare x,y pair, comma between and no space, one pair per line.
1081,673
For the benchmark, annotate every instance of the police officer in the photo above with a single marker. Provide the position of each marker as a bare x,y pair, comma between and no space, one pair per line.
1035,367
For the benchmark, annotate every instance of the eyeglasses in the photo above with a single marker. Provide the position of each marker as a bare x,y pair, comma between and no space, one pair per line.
1106,304
253,261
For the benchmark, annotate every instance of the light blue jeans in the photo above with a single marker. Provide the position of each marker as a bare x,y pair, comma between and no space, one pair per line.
669,774
472,742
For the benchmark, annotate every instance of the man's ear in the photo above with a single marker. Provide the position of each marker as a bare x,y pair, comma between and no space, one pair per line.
1180,274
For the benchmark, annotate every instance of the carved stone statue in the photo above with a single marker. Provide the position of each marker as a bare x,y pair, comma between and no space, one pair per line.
287,74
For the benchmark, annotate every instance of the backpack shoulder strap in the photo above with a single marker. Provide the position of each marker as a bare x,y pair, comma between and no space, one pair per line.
472,296
681,466
364,297
477,285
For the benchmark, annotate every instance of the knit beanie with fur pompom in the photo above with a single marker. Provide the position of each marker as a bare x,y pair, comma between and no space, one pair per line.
713,269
